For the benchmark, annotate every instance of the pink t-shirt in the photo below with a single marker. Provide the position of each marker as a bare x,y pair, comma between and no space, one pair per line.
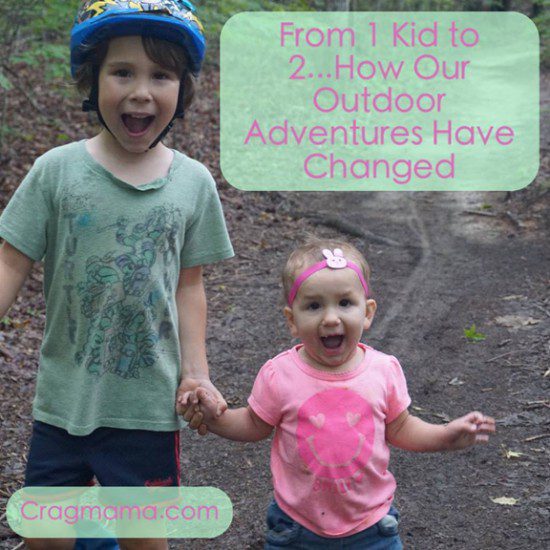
329,456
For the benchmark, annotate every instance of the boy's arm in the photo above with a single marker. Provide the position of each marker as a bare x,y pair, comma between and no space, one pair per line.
241,424
191,304
14,269
412,434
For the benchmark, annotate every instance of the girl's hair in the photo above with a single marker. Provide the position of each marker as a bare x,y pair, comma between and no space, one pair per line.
311,252
166,54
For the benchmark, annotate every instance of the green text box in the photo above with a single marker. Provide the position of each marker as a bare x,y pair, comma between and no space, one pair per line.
119,512
379,101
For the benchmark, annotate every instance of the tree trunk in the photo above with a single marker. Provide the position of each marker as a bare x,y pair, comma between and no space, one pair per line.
337,5
536,9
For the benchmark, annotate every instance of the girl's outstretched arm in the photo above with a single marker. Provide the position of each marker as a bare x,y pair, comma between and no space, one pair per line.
241,424
410,433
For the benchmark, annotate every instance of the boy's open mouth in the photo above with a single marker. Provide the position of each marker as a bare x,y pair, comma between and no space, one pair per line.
332,342
137,124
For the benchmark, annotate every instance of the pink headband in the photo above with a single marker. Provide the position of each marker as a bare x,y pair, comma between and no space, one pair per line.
334,260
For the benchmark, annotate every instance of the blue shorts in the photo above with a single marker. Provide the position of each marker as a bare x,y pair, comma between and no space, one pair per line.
115,457
284,532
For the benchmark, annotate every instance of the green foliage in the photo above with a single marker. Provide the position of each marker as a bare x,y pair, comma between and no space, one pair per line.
54,57
473,335
33,312
37,34
542,21
11,19
52,23
5,83
53,19
213,15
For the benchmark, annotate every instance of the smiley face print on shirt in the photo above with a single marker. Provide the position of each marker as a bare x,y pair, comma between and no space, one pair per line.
335,433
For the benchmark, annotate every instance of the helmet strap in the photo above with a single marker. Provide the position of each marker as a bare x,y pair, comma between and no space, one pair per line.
92,103
179,113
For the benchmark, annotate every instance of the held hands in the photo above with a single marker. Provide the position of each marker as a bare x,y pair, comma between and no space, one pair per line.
472,429
206,404
187,402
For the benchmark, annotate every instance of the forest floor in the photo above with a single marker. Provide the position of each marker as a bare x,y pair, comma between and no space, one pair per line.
440,262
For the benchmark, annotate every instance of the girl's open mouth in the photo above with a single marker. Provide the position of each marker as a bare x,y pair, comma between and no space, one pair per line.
137,125
332,342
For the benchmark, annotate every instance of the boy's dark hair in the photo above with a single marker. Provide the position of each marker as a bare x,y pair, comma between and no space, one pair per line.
166,54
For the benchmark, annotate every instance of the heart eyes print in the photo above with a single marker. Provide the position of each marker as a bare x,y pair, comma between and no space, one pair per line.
335,433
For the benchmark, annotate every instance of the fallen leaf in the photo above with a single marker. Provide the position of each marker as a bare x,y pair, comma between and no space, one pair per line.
511,454
20,324
516,321
265,216
505,501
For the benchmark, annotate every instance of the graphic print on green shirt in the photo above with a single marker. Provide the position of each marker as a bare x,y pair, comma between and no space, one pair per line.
120,340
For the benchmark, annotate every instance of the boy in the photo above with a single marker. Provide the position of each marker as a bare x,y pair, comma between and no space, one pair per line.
124,225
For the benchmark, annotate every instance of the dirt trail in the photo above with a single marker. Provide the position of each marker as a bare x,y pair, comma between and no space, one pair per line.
436,270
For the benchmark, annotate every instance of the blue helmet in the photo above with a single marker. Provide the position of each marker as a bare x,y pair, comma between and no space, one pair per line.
171,20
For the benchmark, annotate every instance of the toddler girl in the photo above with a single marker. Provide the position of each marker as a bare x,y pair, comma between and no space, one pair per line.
336,404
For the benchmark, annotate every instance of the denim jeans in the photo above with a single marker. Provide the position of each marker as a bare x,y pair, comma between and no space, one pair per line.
284,532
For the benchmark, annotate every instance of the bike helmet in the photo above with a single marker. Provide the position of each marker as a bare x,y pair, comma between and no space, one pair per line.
171,20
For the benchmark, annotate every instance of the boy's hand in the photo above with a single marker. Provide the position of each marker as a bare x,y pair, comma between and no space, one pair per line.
187,402
469,430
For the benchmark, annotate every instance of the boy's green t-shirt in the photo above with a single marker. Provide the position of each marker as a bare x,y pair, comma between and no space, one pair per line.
112,256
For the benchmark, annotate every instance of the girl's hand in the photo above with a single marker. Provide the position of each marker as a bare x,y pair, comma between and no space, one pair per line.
469,430
208,405
187,402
